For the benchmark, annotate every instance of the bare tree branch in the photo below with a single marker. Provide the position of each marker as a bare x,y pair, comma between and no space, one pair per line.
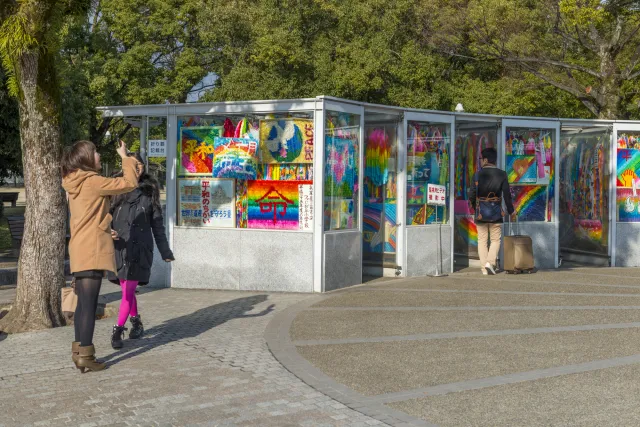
575,40
635,58
563,31
634,75
561,64
201,88
617,33
587,101
630,36
595,36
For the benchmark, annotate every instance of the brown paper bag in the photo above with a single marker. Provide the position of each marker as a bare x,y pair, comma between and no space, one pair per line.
69,302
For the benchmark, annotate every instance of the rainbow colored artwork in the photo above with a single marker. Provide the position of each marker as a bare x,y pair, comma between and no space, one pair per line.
424,214
241,203
530,202
379,227
628,167
196,149
235,158
285,172
589,229
416,193
273,204
629,141
467,230
341,167
286,141
521,169
551,192
628,205
339,214
417,215
377,154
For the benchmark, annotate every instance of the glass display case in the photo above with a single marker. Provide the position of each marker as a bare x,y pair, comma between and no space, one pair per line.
584,190
304,195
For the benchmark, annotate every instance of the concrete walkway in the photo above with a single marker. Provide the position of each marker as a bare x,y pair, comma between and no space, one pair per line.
203,361
552,348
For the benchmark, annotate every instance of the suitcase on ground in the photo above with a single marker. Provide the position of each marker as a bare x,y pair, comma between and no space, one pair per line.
518,253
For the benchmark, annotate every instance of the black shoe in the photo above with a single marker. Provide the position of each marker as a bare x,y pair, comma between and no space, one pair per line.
116,336
137,330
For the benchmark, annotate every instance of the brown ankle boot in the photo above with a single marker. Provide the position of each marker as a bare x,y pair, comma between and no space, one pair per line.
74,351
87,360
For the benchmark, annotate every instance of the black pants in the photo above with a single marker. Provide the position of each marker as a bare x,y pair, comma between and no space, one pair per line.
88,290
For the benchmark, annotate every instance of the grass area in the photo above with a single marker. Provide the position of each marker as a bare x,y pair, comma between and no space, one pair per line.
5,235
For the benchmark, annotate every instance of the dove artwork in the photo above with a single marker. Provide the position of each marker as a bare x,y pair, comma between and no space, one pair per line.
286,140
628,206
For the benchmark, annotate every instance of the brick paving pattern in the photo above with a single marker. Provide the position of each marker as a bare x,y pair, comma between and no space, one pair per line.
203,360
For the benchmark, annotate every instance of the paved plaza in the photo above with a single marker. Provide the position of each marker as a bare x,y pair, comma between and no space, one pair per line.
552,348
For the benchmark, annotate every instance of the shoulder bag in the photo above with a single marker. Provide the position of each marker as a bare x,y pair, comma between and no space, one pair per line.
489,209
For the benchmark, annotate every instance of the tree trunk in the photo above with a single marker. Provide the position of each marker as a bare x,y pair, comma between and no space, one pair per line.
609,97
41,263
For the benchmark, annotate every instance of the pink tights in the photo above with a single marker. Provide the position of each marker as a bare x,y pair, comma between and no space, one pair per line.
129,304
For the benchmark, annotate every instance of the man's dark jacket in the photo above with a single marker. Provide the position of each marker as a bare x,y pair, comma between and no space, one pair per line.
491,180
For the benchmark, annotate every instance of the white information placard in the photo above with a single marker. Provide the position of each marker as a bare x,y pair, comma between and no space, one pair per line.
305,208
157,148
436,195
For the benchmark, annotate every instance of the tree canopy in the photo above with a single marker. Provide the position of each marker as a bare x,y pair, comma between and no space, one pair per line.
568,58
589,49
375,51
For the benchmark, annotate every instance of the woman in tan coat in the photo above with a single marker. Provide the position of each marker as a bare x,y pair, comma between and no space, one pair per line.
91,250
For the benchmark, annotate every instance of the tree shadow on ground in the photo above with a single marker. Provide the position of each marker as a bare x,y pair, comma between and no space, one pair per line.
189,326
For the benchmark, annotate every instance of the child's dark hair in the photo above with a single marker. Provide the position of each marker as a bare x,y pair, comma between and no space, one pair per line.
144,180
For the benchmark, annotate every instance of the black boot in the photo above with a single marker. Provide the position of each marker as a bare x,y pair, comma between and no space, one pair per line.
116,337
136,327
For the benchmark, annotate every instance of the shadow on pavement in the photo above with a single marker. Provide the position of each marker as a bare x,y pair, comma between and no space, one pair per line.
117,296
189,326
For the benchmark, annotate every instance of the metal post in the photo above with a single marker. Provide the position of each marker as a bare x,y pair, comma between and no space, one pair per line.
143,139
438,250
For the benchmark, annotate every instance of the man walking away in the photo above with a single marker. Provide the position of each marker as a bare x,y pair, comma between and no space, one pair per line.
489,187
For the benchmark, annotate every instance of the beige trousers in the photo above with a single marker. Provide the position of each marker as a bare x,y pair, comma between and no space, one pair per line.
488,253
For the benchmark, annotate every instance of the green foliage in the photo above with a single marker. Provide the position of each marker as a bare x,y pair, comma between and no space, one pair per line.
374,51
10,154
493,56
15,40
126,52
585,48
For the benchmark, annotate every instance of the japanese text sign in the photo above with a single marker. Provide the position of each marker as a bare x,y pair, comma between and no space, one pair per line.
305,210
207,202
436,194
157,148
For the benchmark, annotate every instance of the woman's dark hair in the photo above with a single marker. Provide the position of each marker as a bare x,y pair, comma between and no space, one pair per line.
80,156
144,180
490,154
